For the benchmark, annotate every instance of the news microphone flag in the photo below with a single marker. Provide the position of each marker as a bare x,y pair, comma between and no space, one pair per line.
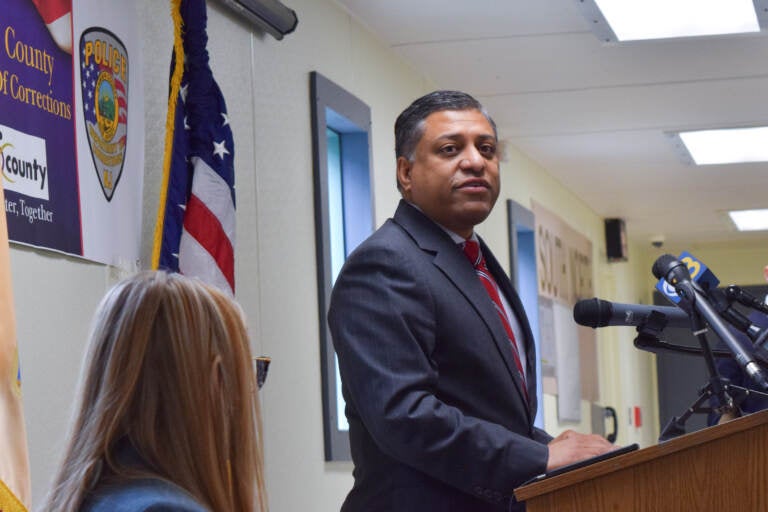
700,274
195,230
14,459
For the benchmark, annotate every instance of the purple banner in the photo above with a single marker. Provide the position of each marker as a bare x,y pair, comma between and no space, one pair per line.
37,132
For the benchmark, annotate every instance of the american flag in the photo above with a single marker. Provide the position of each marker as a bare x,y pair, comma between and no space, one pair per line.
57,16
195,232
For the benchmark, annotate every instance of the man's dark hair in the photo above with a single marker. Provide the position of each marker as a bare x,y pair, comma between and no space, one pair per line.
409,126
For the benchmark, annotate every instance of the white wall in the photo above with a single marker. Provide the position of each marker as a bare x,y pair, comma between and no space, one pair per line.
54,299
266,84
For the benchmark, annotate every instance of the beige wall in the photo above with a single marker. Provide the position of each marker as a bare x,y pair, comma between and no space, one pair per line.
740,264
266,85
627,376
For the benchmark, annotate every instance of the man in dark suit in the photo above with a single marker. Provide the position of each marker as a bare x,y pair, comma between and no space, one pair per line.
438,377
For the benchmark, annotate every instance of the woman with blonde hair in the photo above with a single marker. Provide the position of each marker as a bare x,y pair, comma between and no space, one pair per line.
168,415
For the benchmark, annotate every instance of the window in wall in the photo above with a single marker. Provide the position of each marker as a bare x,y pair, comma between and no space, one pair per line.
522,259
335,203
343,218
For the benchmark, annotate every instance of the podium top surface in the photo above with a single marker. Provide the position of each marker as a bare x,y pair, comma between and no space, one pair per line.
628,460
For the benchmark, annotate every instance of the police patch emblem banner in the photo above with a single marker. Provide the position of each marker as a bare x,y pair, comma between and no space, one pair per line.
104,82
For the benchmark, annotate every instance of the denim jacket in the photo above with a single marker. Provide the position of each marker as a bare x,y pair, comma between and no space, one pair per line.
152,494
143,495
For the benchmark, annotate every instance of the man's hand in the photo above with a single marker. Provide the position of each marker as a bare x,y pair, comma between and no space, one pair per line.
570,447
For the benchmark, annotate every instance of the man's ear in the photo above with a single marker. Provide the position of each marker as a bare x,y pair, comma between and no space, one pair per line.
404,175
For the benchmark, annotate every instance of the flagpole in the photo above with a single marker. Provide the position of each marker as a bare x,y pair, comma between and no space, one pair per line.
170,121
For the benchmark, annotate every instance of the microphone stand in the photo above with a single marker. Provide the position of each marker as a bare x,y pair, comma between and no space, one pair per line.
726,397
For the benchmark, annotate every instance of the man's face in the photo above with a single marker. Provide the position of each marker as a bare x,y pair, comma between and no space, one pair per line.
454,176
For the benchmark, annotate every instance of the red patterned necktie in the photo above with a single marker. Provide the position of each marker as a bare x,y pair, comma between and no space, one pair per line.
472,251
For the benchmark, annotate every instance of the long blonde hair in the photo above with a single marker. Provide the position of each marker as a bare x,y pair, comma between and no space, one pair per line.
169,368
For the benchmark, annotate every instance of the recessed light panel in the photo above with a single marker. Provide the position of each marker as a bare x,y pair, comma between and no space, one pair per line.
728,146
632,20
750,220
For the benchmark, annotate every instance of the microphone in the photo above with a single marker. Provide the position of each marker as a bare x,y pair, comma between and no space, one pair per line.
697,271
720,300
601,313
736,293
674,272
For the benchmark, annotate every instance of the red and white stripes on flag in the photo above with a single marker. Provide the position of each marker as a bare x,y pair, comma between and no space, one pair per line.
122,104
57,16
207,240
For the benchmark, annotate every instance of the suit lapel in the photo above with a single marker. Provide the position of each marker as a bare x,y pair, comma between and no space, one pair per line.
452,262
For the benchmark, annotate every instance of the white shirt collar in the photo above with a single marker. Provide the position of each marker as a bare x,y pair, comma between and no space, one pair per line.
455,237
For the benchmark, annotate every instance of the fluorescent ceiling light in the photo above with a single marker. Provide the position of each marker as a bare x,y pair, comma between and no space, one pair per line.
658,19
750,220
728,146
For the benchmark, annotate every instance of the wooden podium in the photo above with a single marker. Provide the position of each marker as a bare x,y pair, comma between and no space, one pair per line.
720,468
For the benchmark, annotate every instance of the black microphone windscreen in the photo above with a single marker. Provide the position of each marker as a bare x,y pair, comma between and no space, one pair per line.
662,265
592,312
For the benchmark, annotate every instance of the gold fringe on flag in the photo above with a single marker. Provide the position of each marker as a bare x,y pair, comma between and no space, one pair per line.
8,501
170,122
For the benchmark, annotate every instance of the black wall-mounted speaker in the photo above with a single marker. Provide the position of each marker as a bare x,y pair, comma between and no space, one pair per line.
615,240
